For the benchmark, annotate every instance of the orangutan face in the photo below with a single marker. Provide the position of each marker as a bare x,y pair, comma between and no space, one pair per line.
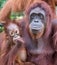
37,21
13,31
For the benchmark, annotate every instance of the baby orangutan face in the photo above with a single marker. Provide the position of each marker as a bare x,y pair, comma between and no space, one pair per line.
13,31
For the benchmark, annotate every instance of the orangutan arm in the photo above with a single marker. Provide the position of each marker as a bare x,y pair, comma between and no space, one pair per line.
54,24
5,11
13,5
55,39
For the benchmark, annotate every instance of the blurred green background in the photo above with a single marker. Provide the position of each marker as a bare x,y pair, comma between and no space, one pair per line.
2,2
14,15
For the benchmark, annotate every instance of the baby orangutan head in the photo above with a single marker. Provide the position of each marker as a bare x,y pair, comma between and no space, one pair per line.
13,30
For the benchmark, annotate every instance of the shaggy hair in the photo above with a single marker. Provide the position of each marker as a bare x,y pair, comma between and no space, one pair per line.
18,5
48,11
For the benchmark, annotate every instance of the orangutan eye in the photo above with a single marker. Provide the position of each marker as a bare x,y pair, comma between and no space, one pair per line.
11,33
41,16
17,31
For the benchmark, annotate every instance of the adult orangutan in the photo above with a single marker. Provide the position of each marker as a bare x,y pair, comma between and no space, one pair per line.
18,5
38,32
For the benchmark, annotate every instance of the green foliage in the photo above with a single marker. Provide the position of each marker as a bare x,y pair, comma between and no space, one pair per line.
2,2
15,15
1,28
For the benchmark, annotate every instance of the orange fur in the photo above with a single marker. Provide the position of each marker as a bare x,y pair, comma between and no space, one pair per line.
10,51
18,5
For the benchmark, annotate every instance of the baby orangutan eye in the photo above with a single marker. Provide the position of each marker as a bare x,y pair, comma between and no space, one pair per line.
17,31
11,33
